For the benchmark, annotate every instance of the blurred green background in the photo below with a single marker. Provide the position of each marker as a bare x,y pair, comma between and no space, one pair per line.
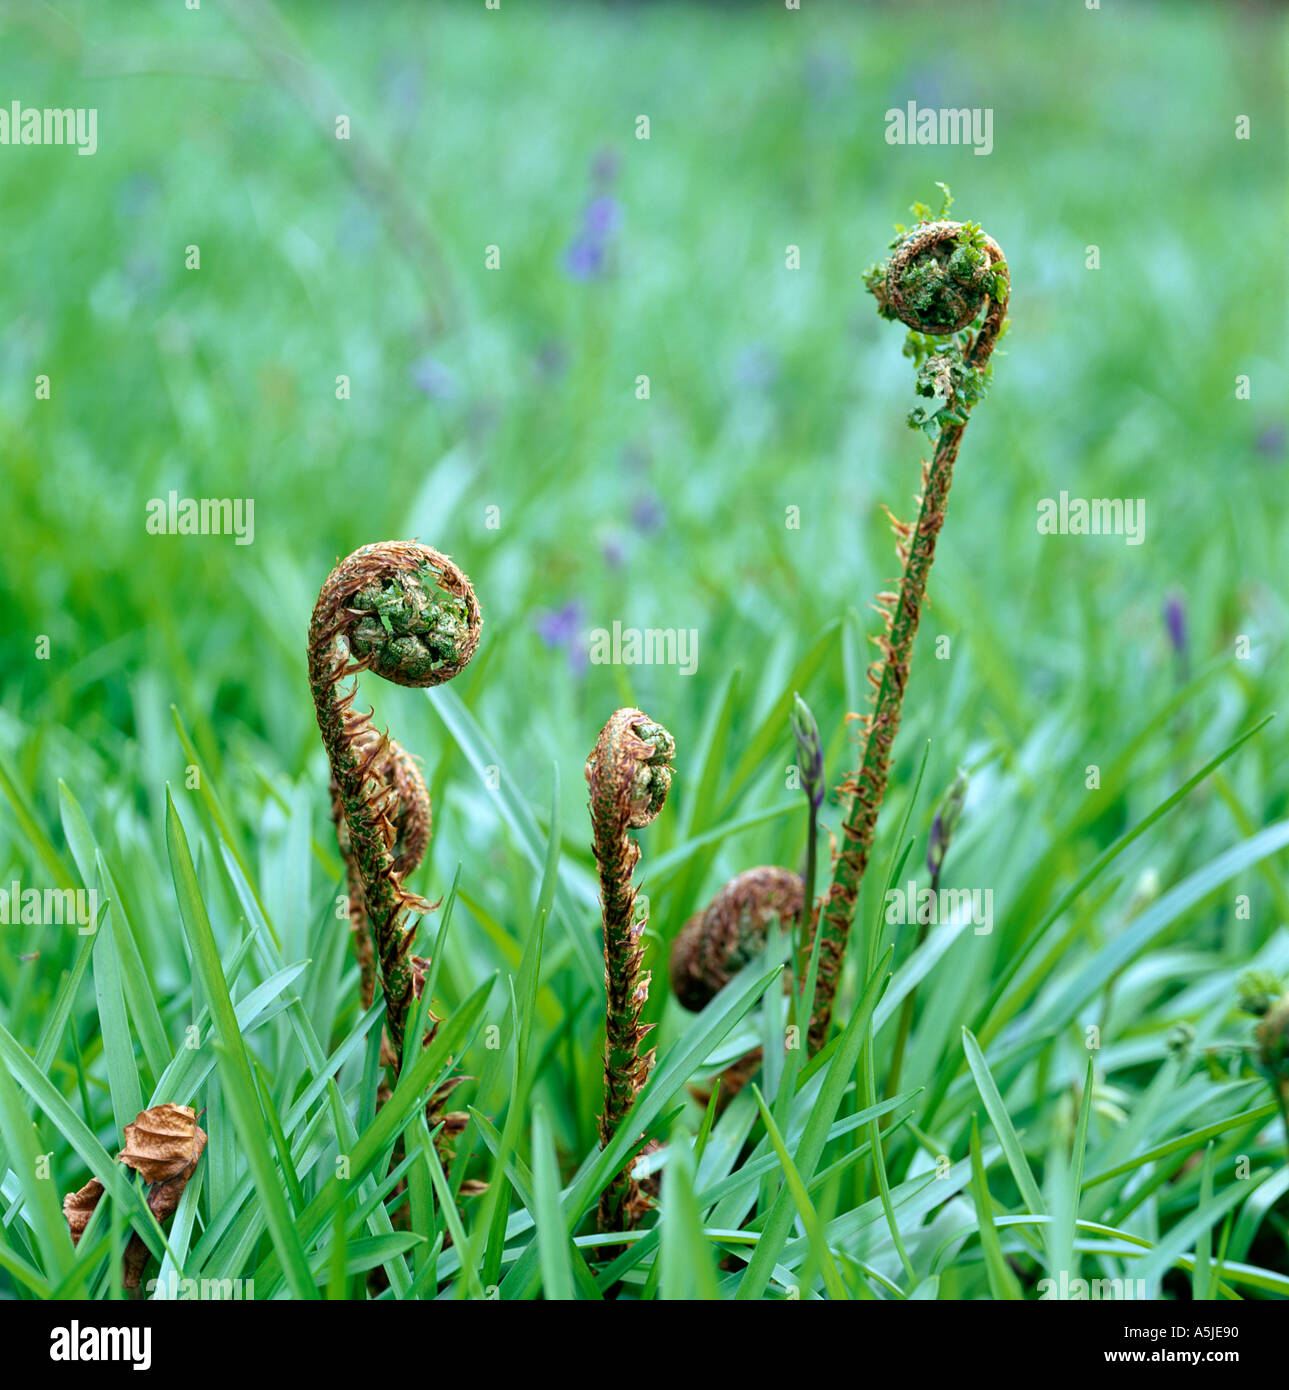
770,388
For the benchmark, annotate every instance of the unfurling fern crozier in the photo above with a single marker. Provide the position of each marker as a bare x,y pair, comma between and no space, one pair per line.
407,613
629,774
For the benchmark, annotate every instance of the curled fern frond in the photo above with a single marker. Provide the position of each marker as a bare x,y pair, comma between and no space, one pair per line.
629,774
715,944
949,283
408,613
939,277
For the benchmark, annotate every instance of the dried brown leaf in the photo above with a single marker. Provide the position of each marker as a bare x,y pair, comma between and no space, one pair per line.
78,1207
163,1142
163,1146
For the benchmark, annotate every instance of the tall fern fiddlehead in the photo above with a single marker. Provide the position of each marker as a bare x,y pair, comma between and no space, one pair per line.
408,613
949,283
629,774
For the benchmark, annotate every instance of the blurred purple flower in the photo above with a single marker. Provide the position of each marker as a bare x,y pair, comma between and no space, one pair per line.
436,380
587,254
602,217
584,259
1272,440
551,361
648,513
562,628
1175,622
558,627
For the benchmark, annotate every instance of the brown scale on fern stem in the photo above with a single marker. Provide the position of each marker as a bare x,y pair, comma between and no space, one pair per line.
406,612
412,821
890,673
629,774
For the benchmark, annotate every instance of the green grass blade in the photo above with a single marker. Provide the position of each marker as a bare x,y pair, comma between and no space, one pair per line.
1003,1127
236,1069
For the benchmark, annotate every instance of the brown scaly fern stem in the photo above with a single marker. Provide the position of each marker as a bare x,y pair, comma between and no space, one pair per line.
944,278
629,774
715,944
406,612
412,821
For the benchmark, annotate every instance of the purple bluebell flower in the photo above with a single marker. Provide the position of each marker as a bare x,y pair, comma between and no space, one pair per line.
586,256
436,380
602,217
562,628
648,514
1175,622
1272,441
1175,625
558,627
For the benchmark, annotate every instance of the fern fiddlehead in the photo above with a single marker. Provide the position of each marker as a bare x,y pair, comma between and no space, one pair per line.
629,774
406,612
949,283
716,943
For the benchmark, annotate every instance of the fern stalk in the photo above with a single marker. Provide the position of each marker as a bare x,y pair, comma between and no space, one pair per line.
949,283
629,774
407,613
